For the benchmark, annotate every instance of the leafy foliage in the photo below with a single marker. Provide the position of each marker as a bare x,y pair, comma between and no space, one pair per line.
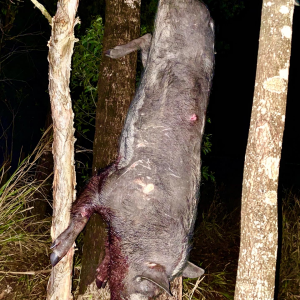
86,60
148,11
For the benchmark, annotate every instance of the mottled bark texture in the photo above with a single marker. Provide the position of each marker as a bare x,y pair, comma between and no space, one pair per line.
60,52
258,250
116,88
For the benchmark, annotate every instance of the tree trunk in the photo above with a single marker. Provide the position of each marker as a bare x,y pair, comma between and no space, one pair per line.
116,88
258,250
60,52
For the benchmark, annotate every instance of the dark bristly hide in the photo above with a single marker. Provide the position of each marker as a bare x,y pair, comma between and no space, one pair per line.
149,196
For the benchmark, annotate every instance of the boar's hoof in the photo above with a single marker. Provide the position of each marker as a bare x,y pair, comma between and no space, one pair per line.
100,284
116,52
54,258
54,244
107,52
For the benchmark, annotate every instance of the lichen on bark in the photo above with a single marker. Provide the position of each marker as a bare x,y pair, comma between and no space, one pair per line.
259,227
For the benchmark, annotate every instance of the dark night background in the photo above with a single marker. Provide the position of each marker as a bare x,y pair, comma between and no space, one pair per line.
25,101
25,105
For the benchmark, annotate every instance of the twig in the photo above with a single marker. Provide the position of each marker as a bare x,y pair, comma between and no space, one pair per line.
195,287
27,273
43,11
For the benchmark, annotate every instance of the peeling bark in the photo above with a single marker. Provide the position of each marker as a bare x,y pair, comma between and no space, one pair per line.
259,228
60,52
116,88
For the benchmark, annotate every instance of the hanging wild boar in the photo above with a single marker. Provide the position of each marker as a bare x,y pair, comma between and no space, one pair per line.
149,196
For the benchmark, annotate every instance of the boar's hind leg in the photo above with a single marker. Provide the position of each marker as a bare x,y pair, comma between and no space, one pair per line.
82,209
142,43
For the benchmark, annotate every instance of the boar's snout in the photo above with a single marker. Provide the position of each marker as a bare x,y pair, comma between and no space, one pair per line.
150,288
148,283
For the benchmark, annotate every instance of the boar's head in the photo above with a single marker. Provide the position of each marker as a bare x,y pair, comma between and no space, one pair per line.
149,279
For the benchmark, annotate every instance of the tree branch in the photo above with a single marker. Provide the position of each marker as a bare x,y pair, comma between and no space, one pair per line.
43,11
26,273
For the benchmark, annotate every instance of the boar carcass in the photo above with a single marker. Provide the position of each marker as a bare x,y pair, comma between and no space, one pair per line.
149,196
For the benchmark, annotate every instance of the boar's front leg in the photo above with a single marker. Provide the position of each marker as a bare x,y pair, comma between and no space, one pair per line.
142,43
86,204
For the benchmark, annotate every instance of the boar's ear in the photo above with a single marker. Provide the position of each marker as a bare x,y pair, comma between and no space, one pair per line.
192,271
158,277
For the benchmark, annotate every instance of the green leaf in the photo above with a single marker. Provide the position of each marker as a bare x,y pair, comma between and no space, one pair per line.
85,73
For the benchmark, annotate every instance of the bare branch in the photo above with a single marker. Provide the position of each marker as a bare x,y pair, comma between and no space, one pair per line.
43,11
195,287
27,273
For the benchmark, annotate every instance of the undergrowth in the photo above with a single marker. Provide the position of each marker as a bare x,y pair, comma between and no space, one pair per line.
216,246
23,240
289,278
24,243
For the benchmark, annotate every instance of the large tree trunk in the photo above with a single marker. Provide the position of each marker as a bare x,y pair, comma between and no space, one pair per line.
258,250
116,88
60,52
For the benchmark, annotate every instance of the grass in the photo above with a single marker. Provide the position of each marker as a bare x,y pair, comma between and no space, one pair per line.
216,246
23,241
289,278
